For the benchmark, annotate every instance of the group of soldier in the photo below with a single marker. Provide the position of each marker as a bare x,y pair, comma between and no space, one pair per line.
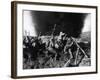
41,49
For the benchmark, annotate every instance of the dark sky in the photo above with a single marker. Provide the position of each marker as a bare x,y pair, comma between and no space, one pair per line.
69,23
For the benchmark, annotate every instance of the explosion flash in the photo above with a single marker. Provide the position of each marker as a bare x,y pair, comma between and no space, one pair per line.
29,28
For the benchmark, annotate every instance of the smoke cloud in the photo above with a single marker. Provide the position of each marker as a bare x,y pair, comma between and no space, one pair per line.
69,23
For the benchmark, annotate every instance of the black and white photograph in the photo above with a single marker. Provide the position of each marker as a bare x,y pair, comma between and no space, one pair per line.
56,39
53,39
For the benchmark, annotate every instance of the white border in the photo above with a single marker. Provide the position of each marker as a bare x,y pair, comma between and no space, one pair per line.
30,72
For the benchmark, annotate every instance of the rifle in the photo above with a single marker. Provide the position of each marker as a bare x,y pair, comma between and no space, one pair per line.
52,37
53,30
79,47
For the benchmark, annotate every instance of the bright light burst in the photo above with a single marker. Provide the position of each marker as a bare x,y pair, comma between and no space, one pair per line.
87,24
29,26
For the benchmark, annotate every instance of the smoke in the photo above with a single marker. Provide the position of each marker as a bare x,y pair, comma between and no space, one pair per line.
69,23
